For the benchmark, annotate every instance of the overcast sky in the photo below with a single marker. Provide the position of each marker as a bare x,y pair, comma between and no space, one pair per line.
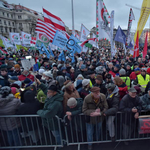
85,11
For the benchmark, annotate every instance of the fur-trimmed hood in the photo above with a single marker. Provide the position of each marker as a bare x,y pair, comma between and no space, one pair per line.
4,101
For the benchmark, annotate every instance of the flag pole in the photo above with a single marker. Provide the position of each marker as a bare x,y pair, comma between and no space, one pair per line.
72,17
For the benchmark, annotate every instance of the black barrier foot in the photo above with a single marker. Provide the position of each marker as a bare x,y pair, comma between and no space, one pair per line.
113,139
126,143
89,147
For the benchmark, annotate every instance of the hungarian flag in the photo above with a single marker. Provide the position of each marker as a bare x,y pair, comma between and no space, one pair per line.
145,46
136,46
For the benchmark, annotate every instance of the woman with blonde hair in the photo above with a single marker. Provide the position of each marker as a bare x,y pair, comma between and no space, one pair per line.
70,91
123,89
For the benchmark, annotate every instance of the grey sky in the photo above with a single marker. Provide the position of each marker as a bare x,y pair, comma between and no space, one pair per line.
85,11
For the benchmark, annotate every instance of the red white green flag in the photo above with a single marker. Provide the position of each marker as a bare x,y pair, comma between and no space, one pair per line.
102,21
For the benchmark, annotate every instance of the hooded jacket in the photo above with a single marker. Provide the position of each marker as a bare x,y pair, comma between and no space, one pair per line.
113,102
4,80
29,107
145,102
53,107
8,106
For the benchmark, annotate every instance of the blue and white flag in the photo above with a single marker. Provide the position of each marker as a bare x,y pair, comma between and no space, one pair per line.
62,57
72,45
44,50
51,52
120,36
60,39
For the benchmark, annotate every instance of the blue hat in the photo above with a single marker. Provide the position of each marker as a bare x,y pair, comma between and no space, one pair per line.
83,66
117,66
137,69
27,81
63,68
10,59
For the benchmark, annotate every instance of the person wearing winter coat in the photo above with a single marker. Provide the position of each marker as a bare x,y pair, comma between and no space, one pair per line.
94,107
131,106
26,74
4,77
53,107
146,101
8,106
113,104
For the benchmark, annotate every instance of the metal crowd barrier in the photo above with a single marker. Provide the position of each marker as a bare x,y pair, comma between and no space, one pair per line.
30,131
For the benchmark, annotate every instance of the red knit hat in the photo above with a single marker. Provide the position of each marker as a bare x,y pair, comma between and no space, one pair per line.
148,71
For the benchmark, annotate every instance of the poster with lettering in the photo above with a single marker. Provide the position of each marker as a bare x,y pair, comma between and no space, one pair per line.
144,125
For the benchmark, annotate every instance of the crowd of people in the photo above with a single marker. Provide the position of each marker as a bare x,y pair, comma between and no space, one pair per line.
96,85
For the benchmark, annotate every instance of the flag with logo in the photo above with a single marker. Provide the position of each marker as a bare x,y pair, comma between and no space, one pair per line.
61,56
26,38
136,47
42,38
131,17
15,38
84,33
6,42
102,21
72,45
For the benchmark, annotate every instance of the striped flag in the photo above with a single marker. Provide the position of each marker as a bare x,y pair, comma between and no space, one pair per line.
45,28
33,40
53,20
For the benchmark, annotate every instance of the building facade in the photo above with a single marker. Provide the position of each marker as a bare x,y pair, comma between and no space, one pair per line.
17,20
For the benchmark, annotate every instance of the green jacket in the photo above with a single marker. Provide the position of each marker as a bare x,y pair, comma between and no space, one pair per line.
53,106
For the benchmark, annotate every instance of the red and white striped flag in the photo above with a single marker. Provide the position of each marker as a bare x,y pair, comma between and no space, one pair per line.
53,20
45,28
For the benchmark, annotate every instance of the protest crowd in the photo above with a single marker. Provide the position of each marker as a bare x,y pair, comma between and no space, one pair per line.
94,85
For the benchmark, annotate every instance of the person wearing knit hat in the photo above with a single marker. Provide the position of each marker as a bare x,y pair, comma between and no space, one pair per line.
100,83
94,105
17,71
91,76
148,71
85,82
126,79
74,107
12,79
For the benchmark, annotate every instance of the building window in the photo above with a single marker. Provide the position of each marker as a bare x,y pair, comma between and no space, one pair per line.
11,15
6,29
10,29
1,29
13,23
9,23
14,30
0,21
5,22
19,17
7,15
3,14
20,24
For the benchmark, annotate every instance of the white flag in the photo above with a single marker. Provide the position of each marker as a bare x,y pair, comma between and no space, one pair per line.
26,38
6,42
84,33
15,38
102,21
94,36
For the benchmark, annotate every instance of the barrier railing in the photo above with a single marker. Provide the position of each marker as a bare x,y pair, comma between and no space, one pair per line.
30,131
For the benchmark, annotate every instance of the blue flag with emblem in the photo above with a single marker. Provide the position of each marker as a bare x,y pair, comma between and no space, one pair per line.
62,57
72,45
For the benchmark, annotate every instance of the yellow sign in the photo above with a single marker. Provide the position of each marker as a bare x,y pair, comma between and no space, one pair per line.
145,11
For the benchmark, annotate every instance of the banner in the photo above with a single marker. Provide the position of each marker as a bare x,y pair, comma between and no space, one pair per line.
111,33
145,12
60,39
131,17
136,47
102,21
144,125
15,38
84,33
6,42
72,45
145,46
42,38
26,38
44,50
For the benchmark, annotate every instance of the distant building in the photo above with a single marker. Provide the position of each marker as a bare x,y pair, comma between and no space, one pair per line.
16,18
